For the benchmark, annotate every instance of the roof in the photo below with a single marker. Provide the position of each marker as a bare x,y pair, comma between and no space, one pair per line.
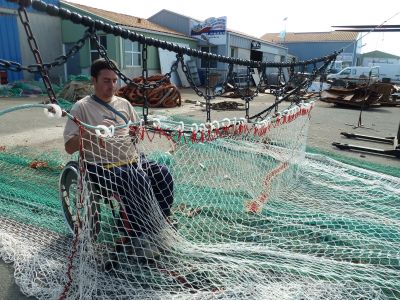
124,20
174,13
293,37
379,54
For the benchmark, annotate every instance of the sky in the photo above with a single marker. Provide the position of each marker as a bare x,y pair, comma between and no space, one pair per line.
257,17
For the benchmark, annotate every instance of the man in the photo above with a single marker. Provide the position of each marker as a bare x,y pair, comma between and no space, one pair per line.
144,188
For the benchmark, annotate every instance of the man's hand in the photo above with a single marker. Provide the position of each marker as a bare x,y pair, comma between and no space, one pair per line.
72,145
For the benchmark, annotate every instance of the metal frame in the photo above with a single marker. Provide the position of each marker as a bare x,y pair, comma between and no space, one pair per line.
394,140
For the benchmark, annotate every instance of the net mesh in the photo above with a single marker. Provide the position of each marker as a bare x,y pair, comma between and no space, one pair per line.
239,211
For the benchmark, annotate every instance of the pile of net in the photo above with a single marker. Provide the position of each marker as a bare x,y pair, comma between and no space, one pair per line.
253,217
25,89
76,88
165,94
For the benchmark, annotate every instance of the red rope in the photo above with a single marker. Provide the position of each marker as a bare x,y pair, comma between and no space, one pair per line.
255,206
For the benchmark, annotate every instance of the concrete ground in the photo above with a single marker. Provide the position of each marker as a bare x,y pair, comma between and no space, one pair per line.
32,127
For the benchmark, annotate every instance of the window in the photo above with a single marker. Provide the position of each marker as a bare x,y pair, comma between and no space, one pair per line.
234,52
204,62
375,72
94,54
346,72
132,54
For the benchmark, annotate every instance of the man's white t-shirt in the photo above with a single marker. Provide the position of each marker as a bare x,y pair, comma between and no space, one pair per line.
103,150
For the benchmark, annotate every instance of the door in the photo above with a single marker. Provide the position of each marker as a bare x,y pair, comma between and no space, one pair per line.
73,63
10,47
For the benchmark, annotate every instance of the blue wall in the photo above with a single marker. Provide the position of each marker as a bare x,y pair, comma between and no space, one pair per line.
9,36
9,43
308,50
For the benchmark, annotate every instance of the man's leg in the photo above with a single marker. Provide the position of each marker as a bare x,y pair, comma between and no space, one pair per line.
162,184
133,189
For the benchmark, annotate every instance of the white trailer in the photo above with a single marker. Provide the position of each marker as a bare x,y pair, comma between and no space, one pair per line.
390,71
356,74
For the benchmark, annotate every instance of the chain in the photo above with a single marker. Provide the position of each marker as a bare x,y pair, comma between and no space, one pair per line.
235,85
263,114
36,68
12,66
35,50
260,83
227,80
248,95
208,96
247,108
103,53
116,30
145,87
315,69
190,78
71,52
279,90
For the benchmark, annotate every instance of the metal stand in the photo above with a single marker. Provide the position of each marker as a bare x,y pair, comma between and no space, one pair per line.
394,140
386,140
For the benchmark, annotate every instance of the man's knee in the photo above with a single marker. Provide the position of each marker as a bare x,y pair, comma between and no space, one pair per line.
166,174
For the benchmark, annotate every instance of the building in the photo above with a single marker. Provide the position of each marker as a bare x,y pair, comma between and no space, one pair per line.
213,36
378,57
126,53
61,35
14,43
309,45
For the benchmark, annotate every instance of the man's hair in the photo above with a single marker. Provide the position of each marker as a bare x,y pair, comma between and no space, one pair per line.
98,65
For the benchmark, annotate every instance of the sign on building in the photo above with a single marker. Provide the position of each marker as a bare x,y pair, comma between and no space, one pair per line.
212,30
255,45
345,57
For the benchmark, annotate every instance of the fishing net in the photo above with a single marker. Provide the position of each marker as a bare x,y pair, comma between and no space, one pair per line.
252,217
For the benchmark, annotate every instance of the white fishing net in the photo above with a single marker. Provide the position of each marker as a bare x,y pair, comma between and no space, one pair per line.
228,210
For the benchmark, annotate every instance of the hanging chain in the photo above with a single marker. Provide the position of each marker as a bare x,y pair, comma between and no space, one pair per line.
303,69
14,66
145,86
35,68
248,95
278,91
103,53
260,83
189,77
208,95
227,81
35,50
71,52
314,74
116,30
322,79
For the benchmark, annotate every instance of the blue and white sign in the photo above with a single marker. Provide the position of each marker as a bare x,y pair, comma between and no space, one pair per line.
345,57
212,30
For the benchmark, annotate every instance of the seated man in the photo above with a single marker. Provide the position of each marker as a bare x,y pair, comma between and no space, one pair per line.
144,188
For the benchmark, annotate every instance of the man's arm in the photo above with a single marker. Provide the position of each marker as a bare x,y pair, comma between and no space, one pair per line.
72,145
71,130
